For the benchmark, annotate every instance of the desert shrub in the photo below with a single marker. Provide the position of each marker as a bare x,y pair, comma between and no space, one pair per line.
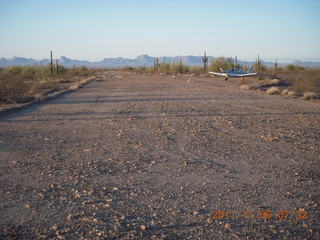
13,90
269,82
142,69
179,68
196,70
164,67
310,95
292,94
259,68
20,83
221,62
273,91
290,67
285,92
43,86
128,68
44,71
305,81
10,72
248,87
28,72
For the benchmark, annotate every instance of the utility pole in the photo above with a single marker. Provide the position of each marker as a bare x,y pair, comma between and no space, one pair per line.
236,62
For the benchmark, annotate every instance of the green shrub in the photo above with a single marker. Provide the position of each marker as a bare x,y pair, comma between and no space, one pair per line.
291,67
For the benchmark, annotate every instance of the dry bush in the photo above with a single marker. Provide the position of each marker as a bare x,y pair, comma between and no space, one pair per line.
20,84
273,91
292,94
285,92
248,87
269,82
303,80
43,86
14,90
310,95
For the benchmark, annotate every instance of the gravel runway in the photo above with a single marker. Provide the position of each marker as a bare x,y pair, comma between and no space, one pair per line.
132,156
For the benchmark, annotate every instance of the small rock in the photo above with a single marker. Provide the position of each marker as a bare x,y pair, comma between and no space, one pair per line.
54,227
227,226
143,227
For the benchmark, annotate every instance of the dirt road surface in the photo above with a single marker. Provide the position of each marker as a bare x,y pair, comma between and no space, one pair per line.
138,157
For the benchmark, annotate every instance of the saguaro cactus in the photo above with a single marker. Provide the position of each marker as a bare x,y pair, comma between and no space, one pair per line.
205,62
156,64
57,65
180,65
258,63
51,63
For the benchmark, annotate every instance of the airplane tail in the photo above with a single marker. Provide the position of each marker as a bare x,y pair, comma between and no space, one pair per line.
250,70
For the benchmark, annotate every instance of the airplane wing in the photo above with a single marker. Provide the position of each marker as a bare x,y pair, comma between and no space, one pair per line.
247,74
217,73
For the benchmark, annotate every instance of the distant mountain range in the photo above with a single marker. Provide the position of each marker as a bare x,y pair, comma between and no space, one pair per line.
142,60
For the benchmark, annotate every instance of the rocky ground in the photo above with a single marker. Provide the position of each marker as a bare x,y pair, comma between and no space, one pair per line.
131,156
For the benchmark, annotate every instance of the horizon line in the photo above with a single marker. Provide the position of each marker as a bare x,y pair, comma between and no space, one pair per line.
267,59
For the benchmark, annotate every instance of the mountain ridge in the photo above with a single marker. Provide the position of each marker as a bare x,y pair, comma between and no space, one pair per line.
141,60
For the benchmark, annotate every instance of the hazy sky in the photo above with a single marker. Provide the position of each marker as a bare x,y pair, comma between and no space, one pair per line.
94,29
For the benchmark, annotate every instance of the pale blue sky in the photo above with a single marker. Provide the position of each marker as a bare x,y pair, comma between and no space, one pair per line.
94,29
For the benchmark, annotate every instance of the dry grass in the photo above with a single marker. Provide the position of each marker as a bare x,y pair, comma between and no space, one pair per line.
302,81
23,84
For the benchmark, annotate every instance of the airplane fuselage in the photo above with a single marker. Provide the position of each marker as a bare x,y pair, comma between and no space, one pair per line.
234,72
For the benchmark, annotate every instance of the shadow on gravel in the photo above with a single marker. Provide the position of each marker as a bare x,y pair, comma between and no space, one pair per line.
130,115
133,100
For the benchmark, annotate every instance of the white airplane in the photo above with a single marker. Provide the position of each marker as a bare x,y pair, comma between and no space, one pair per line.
234,72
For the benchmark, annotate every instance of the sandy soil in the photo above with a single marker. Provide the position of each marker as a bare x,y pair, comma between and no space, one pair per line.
135,157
